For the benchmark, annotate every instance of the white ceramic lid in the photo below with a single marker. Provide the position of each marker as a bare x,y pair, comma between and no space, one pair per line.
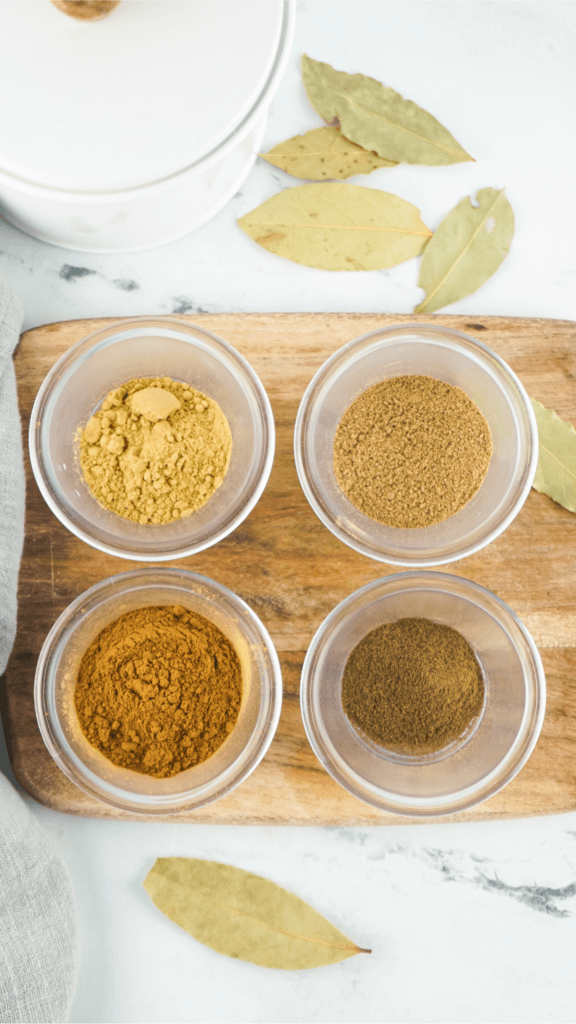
131,99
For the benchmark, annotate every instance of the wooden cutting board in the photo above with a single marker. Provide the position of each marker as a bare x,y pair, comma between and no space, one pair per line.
293,572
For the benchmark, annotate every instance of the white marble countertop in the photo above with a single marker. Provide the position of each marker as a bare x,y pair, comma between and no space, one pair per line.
467,922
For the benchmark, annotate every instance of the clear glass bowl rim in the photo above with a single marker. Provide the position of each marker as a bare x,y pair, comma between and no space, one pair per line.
390,802
79,349
153,805
339,359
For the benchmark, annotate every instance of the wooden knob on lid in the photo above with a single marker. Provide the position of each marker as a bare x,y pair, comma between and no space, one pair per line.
86,10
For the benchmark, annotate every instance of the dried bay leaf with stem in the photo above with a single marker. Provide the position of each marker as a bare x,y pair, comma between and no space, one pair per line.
244,915
336,226
324,153
378,118
556,469
467,248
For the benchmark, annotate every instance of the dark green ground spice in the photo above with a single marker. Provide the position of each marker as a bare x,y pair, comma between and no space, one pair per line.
413,686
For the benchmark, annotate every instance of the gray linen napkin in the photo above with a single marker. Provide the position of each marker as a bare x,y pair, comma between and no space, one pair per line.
38,929
11,472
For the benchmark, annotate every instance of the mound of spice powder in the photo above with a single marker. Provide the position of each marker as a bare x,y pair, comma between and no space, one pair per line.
159,690
411,451
413,686
156,450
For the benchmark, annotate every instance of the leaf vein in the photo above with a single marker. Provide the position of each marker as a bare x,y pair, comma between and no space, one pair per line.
340,227
561,464
400,127
263,924
453,265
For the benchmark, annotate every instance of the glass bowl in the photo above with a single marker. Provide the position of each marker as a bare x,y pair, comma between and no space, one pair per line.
458,360
469,770
74,390
57,671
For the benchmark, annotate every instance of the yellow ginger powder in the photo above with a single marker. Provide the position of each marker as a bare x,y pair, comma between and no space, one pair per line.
156,450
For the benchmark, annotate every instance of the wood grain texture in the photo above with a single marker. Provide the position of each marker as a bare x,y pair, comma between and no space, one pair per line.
293,572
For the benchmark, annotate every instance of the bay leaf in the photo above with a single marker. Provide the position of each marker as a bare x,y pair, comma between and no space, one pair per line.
244,915
467,248
378,118
324,153
336,226
556,469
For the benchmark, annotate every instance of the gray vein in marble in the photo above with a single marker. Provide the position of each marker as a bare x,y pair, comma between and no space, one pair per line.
538,897
13,257
125,284
453,867
69,273
359,838
184,305
282,181
463,867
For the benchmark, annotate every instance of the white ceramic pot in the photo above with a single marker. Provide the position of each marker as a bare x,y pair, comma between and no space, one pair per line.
132,131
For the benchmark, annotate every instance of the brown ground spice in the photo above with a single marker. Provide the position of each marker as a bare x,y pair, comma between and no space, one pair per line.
411,451
413,686
156,450
159,690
